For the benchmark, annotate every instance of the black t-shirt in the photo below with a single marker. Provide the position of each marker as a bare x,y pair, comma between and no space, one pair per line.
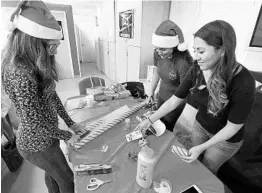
241,96
172,72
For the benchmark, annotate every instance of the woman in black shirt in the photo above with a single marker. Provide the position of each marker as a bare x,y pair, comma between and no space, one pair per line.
222,91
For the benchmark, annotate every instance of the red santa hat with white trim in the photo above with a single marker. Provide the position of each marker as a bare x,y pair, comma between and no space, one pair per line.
35,19
169,35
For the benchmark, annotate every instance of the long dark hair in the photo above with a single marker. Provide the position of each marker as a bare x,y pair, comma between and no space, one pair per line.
182,55
220,35
23,51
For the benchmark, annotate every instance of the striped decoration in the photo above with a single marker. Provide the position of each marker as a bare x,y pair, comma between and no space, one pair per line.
105,125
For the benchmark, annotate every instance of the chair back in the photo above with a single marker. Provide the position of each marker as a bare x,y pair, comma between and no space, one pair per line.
90,82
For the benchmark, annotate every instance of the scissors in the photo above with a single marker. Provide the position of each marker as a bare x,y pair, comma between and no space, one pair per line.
96,183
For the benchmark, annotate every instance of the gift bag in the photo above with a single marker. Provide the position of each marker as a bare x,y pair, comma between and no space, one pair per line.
9,151
136,88
11,155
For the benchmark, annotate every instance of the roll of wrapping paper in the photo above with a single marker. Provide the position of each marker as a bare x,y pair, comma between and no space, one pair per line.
101,130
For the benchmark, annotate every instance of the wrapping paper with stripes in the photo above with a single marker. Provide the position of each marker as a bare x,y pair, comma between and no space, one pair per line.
100,126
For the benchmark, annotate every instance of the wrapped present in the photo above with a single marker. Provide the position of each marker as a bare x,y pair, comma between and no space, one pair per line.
116,91
123,94
103,98
93,169
75,103
95,91
109,92
116,87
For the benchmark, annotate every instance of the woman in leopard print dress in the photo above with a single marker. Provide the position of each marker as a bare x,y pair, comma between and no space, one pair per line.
28,77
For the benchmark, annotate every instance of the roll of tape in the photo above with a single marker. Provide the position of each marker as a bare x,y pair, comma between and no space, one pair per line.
165,186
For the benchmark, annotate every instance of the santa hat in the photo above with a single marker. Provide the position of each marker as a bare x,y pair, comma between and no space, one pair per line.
169,35
35,19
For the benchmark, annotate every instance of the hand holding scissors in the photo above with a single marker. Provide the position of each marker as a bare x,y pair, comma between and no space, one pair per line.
96,183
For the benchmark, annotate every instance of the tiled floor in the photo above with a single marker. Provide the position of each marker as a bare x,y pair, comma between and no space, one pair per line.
30,179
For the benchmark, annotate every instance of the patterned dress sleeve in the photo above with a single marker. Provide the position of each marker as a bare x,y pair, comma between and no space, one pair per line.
27,100
61,110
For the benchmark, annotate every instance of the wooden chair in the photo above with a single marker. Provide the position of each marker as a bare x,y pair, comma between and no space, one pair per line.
90,82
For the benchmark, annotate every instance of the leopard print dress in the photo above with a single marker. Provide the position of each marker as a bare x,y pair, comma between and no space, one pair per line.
38,113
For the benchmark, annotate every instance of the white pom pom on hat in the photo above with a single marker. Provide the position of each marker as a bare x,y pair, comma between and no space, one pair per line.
169,35
182,46
35,19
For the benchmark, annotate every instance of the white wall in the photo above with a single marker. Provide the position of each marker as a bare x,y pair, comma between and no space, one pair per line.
185,15
5,13
191,15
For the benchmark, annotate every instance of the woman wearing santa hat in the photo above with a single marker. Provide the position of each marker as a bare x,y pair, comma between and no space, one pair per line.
28,76
171,60
222,90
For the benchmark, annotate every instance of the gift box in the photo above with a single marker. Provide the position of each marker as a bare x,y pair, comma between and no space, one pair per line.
122,94
103,97
95,91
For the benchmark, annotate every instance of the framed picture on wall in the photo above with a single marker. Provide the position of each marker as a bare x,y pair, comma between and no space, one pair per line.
126,24
256,39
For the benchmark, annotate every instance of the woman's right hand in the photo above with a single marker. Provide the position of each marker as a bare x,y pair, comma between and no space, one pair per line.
150,100
74,138
143,126
78,128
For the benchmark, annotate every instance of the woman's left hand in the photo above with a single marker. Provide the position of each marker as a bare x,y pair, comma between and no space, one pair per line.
193,154
78,129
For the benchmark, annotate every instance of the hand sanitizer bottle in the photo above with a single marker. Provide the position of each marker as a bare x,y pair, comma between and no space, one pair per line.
145,167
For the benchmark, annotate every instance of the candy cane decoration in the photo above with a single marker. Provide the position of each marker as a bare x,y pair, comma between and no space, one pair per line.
99,131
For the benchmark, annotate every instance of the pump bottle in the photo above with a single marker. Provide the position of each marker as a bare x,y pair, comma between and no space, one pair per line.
145,167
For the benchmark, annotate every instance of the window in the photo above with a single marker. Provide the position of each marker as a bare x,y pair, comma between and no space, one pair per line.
256,39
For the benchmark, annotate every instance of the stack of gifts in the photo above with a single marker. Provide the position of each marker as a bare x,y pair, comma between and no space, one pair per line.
95,91
113,91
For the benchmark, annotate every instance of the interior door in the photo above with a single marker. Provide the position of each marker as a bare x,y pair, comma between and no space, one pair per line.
121,61
103,55
87,39
133,61
112,60
128,49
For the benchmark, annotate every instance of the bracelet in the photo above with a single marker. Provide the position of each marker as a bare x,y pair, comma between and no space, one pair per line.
150,120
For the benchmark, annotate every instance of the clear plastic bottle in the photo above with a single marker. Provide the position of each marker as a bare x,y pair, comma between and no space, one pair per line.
127,124
89,100
145,167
